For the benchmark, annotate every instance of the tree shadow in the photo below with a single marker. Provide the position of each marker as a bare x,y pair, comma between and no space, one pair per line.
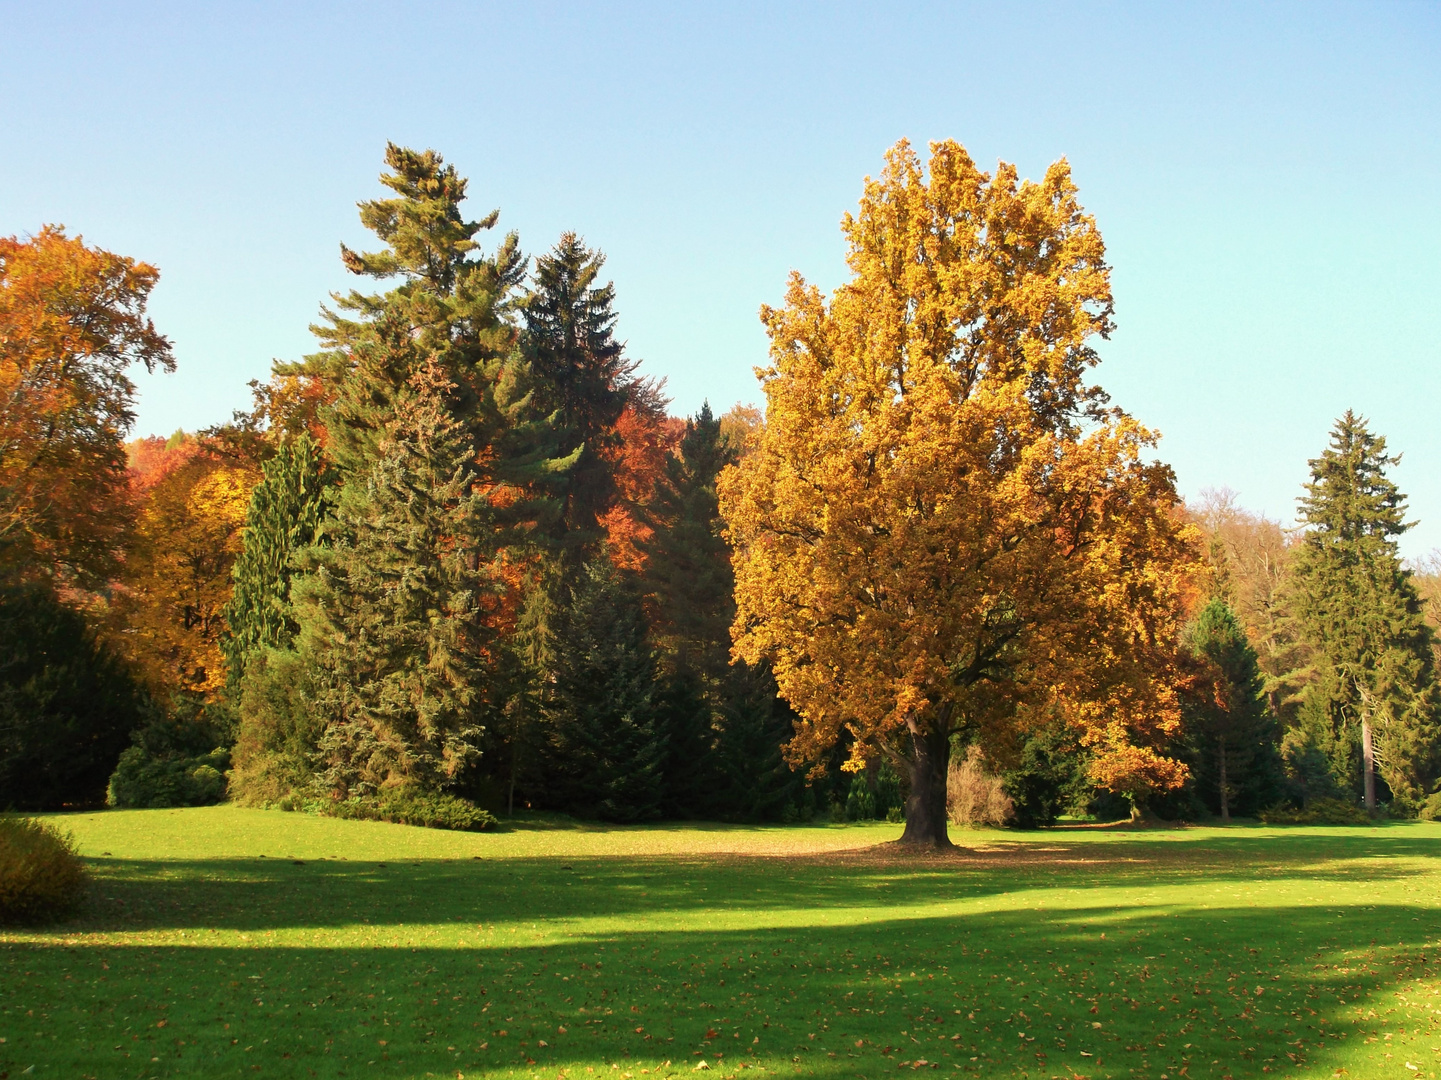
1076,992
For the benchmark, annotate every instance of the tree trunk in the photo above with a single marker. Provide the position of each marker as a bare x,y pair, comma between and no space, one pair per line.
1368,759
928,763
1225,793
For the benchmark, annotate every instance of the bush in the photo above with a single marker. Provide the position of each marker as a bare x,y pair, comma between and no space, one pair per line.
1319,812
41,876
860,803
401,807
141,782
67,705
973,796
1430,810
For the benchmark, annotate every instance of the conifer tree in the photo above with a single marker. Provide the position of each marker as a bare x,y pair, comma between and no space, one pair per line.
285,514
392,615
608,756
442,461
1237,757
582,377
688,572
1360,611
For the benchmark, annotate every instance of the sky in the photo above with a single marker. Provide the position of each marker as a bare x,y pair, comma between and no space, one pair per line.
1265,177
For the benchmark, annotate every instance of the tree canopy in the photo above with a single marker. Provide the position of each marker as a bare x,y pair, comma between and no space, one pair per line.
942,529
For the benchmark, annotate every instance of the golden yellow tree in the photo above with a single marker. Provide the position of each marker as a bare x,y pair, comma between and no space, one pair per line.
942,529
175,582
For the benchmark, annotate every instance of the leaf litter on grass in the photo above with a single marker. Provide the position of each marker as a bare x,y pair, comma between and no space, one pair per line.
1219,952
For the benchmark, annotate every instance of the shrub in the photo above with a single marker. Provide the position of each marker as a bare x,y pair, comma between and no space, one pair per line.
407,807
860,803
41,876
973,796
1430,810
67,705
142,782
1319,812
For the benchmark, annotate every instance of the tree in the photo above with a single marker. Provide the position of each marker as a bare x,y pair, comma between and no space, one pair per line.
1250,557
391,616
167,614
942,529
1359,610
1234,732
443,464
583,378
286,509
67,704
72,322
608,755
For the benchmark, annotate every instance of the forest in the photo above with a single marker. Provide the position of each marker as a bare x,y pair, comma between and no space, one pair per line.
462,561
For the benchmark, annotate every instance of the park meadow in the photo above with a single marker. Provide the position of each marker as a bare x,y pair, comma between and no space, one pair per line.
457,711
231,942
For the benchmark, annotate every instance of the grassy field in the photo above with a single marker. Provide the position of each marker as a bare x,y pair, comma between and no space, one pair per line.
228,942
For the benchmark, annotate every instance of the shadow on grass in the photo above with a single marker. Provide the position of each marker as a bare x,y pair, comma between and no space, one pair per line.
273,894
1247,988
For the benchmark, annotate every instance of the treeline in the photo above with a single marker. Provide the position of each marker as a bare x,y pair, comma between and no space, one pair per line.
461,557
461,560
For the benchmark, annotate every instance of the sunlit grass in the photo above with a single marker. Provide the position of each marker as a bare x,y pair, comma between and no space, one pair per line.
230,942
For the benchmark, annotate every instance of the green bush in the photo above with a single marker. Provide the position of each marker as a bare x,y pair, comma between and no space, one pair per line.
1317,812
143,782
41,876
401,807
860,802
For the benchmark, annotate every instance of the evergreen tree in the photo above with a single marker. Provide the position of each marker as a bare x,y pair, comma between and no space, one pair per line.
688,571
608,756
392,615
1235,761
67,704
443,463
583,379
285,514
1360,611
732,712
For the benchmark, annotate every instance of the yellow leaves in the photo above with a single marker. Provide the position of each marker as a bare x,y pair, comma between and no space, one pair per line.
176,579
937,523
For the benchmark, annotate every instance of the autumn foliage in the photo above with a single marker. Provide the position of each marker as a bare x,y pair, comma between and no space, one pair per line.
942,528
72,321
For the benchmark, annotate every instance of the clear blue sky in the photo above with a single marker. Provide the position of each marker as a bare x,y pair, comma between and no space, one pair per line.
1267,177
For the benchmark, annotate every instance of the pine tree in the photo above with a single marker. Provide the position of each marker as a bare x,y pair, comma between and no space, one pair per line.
607,755
391,617
1235,735
286,510
1360,611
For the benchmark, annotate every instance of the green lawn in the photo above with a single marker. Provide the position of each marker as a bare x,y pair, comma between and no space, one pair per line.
228,942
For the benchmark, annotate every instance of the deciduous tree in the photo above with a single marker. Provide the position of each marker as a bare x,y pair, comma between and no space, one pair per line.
942,529
72,323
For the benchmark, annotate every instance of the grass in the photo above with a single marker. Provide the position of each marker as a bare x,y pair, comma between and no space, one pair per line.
226,942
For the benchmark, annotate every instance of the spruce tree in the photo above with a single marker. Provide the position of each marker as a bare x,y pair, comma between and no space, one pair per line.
726,723
582,378
392,615
607,754
443,462
1236,761
1360,612
285,514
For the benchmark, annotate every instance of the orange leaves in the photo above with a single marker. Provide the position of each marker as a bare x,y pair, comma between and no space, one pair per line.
938,525
176,578
72,320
